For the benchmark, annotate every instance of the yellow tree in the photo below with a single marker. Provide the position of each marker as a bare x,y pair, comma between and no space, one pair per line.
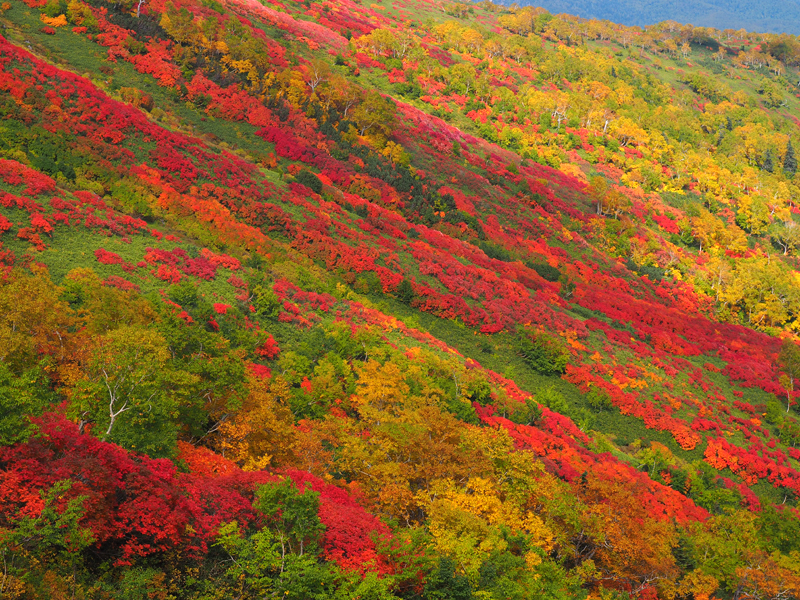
262,433
402,442
598,188
33,320
374,115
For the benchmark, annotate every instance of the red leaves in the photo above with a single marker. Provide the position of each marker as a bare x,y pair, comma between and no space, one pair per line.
172,263
221,260
259,371
311,33
167,273
137,506
133,506
105,257
120,284
350,531
269,349
751,466
157,61
7,257
220,308
40,224
29,234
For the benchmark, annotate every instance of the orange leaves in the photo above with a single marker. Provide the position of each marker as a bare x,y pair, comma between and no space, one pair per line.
717,456
214,217
575,344
776,577
686,438
635,543
59,21
204,462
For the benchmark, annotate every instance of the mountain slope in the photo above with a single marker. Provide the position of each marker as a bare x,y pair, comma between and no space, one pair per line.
397,301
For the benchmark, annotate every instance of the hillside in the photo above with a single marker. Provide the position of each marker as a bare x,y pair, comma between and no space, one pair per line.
768,16
395,300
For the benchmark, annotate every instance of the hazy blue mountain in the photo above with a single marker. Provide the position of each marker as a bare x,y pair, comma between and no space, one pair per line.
773,16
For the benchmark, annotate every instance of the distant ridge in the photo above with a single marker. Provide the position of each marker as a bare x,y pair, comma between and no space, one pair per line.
765,16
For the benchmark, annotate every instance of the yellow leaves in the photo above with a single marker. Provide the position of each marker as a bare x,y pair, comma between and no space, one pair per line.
763,288
245,67
403,442
396,153
553,155
465,522
262,433
376,42
481,498
623,94
447,31
468,539
695,584
597,91
33,321
538,101
532,560
293,87
541,535
754,210
381,389
627,131
478,498
470,40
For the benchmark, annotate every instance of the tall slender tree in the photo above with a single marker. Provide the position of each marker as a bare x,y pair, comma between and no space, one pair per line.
789,160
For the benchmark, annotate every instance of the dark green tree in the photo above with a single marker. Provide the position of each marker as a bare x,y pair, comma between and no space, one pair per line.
308,179
768,164
542,352
789,160
405,293
445,584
